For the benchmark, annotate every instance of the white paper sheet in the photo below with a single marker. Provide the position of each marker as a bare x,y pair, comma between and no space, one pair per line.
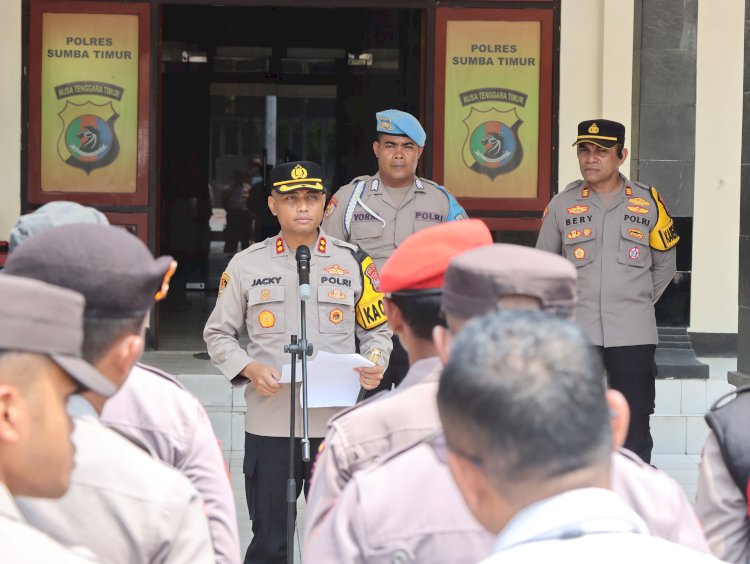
331,379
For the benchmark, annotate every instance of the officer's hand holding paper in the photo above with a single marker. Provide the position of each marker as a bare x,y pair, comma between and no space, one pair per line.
331,379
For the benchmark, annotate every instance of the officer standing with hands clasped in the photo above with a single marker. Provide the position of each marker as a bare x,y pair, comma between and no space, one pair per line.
378,212
619,235
259,290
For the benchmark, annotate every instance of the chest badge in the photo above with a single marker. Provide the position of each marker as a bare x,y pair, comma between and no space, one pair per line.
578,209
637,209
574,234
265,294
639,202
336,316
634,253
637,233
337,295
266,319
579,253
336,270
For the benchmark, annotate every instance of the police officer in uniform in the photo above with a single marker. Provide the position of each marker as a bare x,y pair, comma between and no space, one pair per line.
260,291
378,212
722,498
619,235
412,279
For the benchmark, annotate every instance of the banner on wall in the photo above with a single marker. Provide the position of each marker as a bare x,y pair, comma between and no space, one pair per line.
492,104
89,103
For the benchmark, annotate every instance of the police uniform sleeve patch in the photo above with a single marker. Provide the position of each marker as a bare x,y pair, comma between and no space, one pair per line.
370,309
331,207
224,282
663,236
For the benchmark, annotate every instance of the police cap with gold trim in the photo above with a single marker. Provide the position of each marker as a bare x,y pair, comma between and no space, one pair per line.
601,132
297,175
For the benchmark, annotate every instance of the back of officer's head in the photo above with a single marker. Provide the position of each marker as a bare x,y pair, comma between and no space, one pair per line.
524,393
114,271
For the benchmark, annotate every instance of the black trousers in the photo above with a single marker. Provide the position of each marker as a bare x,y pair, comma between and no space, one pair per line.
398,366
632,371
266,469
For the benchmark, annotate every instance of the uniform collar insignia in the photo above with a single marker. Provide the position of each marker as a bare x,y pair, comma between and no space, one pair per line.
628,191
419,184
585,192
322,246
280,247
374,185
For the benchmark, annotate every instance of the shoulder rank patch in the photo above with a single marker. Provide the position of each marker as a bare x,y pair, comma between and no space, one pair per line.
279,246
637,209
331,207
639,202
579,253
663,235
224,282
322,245
544,214
370,308
578,209
266,319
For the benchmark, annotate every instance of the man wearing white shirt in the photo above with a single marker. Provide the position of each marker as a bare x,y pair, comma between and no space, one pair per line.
527,439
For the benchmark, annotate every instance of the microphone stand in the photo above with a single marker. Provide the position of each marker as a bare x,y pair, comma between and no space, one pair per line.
303,349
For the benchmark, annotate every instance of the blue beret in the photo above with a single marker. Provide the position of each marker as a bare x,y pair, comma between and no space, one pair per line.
396,122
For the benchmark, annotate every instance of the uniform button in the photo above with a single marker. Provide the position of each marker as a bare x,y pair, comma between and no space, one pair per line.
400,557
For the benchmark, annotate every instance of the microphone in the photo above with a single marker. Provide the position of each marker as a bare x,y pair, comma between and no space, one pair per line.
303,269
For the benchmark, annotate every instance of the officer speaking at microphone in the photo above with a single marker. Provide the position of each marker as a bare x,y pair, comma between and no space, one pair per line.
260,291
620,237
378,212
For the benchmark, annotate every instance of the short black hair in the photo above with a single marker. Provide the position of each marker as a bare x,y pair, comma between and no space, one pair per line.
525,393
100,334
420,312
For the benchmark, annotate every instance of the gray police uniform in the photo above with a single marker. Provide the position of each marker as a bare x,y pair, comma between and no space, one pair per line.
156,409
23,543
361,435
260,290
122,504
625,257
364,213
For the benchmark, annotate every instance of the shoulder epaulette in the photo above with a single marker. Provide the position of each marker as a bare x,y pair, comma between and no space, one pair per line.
339,243
356,406
159,372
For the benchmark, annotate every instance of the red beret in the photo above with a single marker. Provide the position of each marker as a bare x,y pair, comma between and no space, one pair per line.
420,262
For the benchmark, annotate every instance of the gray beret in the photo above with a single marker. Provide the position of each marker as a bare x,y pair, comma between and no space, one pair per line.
113,269
53,214
477,279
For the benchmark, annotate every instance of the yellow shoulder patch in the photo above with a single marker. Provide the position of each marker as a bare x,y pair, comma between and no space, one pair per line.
370,307
663,236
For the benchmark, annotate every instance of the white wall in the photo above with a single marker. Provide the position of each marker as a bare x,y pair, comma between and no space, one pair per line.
596,71
718,145
10,114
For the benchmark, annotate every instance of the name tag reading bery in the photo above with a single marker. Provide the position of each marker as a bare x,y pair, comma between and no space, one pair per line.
578,220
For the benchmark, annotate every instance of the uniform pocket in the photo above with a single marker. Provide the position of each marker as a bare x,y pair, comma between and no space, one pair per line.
633,246
368,229
579,245
335,309
265,309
